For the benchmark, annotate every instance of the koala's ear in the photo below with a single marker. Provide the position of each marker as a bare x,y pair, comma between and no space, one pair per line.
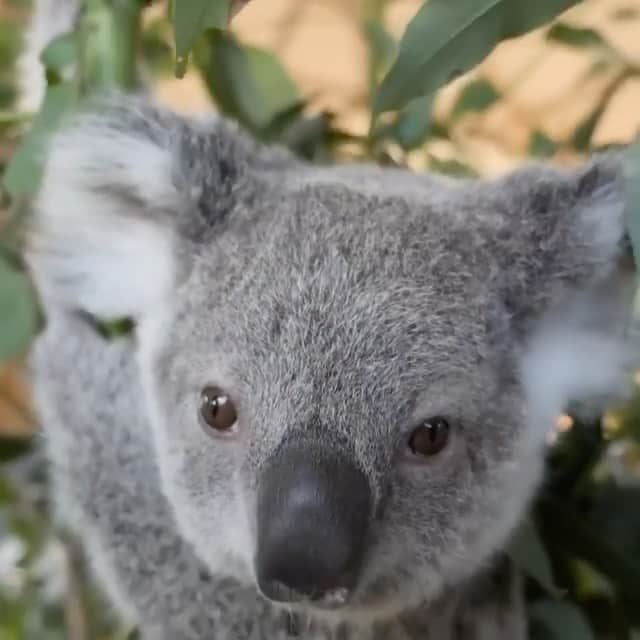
122,188
564,230
563,284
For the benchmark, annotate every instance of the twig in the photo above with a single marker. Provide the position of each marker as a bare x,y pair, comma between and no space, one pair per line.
74,613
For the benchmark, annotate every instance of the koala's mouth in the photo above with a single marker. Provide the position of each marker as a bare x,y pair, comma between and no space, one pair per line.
371,604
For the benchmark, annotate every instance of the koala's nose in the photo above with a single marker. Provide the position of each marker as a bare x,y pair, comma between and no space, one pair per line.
313,511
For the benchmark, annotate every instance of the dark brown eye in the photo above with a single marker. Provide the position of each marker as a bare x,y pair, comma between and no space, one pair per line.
217,410
430,437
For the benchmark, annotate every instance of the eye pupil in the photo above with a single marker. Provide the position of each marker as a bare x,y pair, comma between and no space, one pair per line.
217,410
430,437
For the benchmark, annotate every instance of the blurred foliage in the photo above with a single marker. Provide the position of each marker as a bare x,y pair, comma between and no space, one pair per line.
580,547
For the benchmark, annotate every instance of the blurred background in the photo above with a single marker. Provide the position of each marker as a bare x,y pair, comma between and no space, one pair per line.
306,74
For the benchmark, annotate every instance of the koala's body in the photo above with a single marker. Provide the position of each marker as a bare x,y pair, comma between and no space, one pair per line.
332,412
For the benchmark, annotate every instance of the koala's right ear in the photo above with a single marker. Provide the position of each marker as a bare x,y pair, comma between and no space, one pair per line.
122,188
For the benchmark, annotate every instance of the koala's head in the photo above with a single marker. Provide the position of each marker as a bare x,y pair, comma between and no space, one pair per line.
349,372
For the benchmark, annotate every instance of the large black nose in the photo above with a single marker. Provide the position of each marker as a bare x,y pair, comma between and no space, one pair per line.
313,510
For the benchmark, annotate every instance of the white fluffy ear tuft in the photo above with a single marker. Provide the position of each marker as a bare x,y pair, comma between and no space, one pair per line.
101,239
581,353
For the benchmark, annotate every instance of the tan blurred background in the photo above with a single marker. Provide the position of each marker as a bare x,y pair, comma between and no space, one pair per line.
547,87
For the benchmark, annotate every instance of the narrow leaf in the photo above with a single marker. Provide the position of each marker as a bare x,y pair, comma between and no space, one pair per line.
246,83
451,167
12,448
562,620
23,173
190,19
446,38
541,145
411,126
478,95
581,137
632,177
579,37
382,50
61,52
528,553
18,311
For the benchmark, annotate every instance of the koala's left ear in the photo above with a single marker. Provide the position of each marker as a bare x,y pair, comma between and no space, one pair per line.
123,188
564,245
564,230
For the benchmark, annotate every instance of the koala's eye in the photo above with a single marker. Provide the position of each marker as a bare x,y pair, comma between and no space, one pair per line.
217,410
430,437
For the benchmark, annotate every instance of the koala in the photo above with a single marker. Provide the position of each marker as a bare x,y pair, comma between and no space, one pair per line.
331,413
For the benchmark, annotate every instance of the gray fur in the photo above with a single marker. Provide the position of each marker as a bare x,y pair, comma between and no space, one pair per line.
338,306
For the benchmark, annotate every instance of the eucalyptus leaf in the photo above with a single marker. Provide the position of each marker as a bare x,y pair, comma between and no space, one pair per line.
382,45
581,137
382,49
447,38
18,311
541,145
24,171
12,448
61,52
561,620
9,118
190,19
632,176
528,553
411,125
108,34
478,95
451,167
247,83
579,37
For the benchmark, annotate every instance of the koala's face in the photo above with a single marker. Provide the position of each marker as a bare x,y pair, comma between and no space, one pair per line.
333,411
339,363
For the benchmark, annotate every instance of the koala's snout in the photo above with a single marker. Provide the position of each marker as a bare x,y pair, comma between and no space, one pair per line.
313,513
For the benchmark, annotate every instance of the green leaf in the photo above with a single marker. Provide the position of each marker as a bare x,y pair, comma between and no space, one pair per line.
24,171
581,137
14,117
382,45
615,514
247,83
541,145
579,37
112,329
572,535
561,620
18,311
451,167
382,49
411,126
108,37
60,52
527,552
447,38
12,448
632,179
478,95
190,19
155,48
